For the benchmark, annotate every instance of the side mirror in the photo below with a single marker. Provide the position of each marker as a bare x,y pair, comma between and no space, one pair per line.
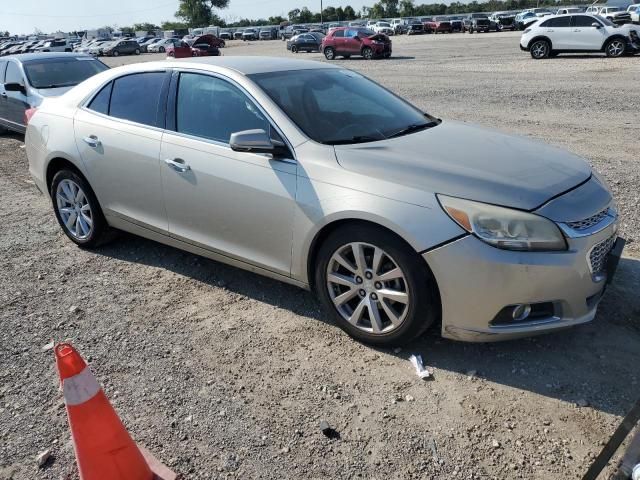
15,87
596,25
256,141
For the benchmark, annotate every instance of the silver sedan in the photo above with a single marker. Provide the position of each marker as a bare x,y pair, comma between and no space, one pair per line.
314,175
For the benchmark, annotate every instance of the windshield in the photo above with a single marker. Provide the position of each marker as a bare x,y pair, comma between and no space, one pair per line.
384,24
336,106
478,15
61,72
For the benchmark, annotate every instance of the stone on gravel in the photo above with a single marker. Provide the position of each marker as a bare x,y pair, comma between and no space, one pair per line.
43,458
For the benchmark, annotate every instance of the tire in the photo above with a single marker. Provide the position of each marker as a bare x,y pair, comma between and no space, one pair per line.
540,49
329,53
116,53
222,44
367,53
98,231
470,29
161,50
137,52
294,49
615,47
415,284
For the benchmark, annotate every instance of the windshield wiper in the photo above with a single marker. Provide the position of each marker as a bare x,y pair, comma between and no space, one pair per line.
413,128
355,139
57,85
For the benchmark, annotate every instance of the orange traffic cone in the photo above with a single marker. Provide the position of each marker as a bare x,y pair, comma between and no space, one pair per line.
104,449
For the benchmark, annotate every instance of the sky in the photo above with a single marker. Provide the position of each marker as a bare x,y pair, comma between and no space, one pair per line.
24,16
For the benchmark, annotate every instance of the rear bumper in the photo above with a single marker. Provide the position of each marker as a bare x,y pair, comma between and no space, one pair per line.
477,281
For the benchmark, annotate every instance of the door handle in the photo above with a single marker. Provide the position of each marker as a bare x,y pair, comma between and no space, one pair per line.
577,30
92,141
549,30
178,164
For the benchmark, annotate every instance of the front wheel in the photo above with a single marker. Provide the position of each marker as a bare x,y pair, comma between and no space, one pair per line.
137,51
615,47
116,53
376,287
329,53
161,50
367,53
294,49
77,209
540,49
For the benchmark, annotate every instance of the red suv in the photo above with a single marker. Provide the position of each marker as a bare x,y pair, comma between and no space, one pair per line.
347,41
202,46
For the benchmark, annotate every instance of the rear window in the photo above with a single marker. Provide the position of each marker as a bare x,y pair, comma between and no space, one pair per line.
137,97
61,72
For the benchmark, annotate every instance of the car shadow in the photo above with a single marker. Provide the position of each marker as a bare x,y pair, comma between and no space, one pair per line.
362,59
594,363
13,135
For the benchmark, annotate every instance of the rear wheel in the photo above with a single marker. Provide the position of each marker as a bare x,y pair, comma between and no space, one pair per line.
376,287
540,49
137,51
329,53
161,50
367,53
294,49
77,209
615,47
116,53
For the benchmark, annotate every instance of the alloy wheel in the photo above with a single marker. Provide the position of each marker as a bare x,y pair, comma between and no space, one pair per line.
539,49
368,288
74,209
367,53
615,48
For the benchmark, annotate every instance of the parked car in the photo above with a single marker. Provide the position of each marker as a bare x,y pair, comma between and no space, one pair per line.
575,33
540,12
163,44
207,38
57,45
267,34
456,24
88,47
144,47
525,19
121,47
25,80
384,28
97,49
249,34
348,41
415,27
402,219
565,11
476,22
237,35
634,12
292,30
438,25
202,46
226,35
503,21
615,14
399,25
305,42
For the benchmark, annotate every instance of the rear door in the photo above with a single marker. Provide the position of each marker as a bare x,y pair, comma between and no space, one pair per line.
118,135
584,35
3,95
559,32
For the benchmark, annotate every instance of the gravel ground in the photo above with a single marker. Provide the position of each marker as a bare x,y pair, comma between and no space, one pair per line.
225,374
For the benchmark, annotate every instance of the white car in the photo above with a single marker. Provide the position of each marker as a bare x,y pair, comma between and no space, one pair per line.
565,11
383,27
634,11
57,45
575,33
162,45
615,14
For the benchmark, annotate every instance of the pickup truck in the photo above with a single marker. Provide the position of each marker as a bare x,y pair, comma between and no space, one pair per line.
439,25
292,31
476,22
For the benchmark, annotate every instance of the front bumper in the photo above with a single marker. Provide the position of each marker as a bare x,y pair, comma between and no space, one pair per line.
477,281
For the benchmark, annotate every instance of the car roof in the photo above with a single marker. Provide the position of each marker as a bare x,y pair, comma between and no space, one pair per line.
31,57
250,65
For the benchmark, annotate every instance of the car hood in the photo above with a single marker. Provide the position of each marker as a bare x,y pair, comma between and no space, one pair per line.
470,162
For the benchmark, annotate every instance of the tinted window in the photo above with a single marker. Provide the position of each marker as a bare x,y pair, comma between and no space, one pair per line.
100,102
339,106
582,21
13,74
338,33
137,97
557,22
212,108
62,72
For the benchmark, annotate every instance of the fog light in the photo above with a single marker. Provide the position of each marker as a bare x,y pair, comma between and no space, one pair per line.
521,312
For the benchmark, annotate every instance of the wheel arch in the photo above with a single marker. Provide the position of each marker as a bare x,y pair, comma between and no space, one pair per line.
539,37
58,163
612,37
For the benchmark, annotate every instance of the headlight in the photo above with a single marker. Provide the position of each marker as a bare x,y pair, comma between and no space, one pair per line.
504,227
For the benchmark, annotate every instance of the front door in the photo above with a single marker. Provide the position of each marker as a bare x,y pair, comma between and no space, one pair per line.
584,35
238,204
15,102
118,136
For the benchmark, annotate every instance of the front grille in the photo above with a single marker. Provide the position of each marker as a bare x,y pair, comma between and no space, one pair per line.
598,254
589,222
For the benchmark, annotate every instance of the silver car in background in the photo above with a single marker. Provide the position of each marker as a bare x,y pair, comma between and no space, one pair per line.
314,175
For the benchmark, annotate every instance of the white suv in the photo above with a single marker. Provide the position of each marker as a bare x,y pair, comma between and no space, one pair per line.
575,33
57,45
383,27
634,11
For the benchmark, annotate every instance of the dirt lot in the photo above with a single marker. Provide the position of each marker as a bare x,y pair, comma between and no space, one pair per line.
225,374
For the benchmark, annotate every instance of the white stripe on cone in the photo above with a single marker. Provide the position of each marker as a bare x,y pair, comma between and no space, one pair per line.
80,388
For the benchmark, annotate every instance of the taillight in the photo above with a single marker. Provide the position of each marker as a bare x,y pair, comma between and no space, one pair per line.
28,114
